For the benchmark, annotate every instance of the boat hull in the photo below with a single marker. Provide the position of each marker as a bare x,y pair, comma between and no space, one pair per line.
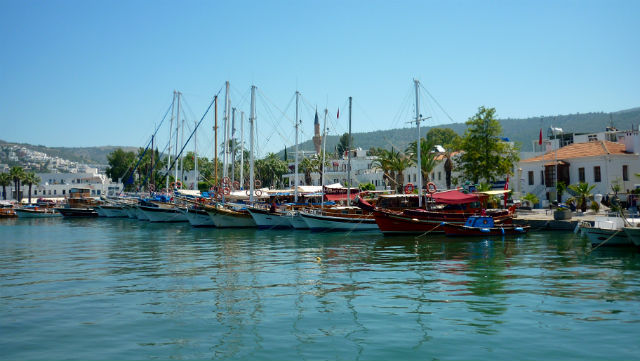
198,217
77,212
317,222
418,222
31,213
606,237
634,235
456,230
160,214
268,220
297,222
112,211
230,219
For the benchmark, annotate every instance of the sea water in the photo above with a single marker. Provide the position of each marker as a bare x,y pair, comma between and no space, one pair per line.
124,289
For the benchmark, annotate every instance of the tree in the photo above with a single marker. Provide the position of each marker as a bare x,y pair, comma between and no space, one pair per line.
30,179
343,143
17,175
582,193
306,166
448,166
120,164
445,137
399,162
427,157
270,169
484,155
384,162
531,198
367,186
5,180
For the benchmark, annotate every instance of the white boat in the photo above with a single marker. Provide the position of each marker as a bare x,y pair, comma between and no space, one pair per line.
197,217
227,216
297,222
608,231
269,219
163,213
140,214
111,211
633,233
37,212
130,209
101,212
335,220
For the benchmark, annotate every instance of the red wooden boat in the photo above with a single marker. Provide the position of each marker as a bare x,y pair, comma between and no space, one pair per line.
399,214
481,226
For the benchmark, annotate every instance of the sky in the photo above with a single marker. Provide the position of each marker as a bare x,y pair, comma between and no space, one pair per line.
93,73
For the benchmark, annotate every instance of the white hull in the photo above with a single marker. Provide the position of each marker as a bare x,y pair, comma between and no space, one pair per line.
298,222
226,220
131,211
615,237
37,214
140,214
198,219
163,214
634,234
271,220
332,223
112,212
101,212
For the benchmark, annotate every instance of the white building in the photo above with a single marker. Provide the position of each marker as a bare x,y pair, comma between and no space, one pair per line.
57,185
597,162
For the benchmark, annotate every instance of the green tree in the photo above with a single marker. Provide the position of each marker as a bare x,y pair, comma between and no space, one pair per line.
120,165
307,167
427,157
484,155
17,175
531,198
582,193
448,166
367,186
445,137
343,143
30,179
384,162
399,162
270,169
5,180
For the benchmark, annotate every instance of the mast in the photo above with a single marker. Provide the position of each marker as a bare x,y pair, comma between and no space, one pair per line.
252,117
241,149
349,157
182,156
324,144
227,105
195,152
295,189
418,144
233,153
215,142
173,102
152,159
177,131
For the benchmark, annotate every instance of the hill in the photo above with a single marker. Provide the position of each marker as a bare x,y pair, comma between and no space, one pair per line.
522,131
86,155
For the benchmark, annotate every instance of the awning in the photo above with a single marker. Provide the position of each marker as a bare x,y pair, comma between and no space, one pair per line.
454,197
553,163
339,197
496,193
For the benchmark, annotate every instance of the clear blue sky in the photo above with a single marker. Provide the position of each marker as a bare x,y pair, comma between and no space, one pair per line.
84,73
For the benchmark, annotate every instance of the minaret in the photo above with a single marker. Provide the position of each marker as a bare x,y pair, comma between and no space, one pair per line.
317,138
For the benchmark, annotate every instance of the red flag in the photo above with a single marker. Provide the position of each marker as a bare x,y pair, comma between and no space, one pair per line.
506,195
338,116
506,184
540,139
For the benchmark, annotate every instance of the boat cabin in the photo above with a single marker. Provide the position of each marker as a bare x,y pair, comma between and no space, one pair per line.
479,222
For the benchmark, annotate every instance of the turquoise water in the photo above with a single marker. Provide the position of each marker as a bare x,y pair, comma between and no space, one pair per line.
123,289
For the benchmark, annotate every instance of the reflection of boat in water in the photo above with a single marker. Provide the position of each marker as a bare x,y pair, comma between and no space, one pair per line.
609,231
481,226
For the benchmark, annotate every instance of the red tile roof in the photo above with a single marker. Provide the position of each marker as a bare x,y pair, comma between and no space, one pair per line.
582,150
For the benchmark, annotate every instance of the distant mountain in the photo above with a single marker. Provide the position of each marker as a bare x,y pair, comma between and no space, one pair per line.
522,131
86,155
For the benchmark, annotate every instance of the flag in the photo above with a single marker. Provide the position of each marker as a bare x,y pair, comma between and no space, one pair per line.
338,116
506,184
540,139
506,195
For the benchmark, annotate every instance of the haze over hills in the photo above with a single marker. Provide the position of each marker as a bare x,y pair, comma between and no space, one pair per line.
522,131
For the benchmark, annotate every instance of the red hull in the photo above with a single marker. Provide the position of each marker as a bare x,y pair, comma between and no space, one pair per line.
418,221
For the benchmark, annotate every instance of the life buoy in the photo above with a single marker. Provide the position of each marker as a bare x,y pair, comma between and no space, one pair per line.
258,183
431,187
236,185
152,187
258,193
248,192
408,188
226,191
226,180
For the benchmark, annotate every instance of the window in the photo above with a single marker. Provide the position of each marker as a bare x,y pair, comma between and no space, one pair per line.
98,192
625,173
596,174
55,192
64,191
581,177
542,177
530,178
439,175
35,192
592,137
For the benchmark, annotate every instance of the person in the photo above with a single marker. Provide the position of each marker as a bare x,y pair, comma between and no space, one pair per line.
272,209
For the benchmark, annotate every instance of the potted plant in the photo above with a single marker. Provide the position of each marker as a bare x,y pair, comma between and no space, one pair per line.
562,213
531,200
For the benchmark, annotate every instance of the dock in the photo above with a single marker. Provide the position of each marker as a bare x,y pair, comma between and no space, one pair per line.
542,219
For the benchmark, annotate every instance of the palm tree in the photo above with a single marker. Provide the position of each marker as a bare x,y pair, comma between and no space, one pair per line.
5,180
427,157
17,174
384,162
582,193
306,166
30,179
399,163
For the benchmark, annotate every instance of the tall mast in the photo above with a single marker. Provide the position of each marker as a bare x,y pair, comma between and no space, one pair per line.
233,145
215,142
295,189
418,144
241,149
252,117
349,157
195,152
173,103
152,159
227,105
324,145
182,145
177,130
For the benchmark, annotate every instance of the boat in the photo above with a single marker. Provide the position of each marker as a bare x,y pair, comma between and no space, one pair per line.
633,233
400,214
230,216
608,231
339,219
163,213
272,218
197,216
6,210
37,212
111,211
481,226
79,204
